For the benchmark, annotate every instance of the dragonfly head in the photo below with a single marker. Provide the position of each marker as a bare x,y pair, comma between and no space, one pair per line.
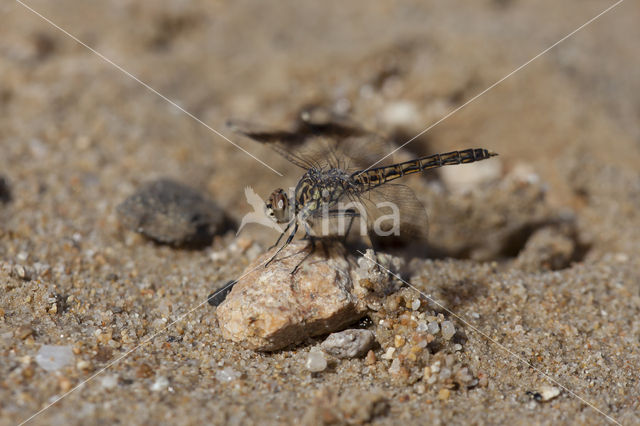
278,206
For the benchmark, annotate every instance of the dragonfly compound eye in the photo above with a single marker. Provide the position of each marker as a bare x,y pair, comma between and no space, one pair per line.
278,206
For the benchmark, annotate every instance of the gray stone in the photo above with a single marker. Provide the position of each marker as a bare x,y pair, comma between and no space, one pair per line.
227,374
316,361
448,330
433,327
349,343
53,357
160,384
547,393
109,381
172,213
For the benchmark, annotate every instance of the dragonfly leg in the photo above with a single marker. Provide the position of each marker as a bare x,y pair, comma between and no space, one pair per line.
312,240
350,213
286,243
218,296
281,235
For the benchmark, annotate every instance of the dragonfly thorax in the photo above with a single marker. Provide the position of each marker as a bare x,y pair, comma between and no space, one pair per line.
320,188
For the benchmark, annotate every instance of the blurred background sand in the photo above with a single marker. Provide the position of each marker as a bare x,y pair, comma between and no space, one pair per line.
77,137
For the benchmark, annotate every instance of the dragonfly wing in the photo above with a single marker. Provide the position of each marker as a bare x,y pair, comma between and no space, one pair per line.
394,210
330,143
284,142
350,152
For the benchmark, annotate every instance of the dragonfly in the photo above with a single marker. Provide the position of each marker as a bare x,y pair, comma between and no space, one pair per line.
338,181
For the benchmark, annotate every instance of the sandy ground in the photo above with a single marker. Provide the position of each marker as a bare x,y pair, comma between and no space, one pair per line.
539,261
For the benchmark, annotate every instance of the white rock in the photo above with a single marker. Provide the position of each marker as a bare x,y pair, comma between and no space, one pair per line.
316,361
389,353
53,357
448,330
415,305
445,373
109,381
395,366
548,392
433,327
349,343
227,374
160,384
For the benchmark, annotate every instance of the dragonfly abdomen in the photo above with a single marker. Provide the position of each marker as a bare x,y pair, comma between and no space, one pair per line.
375,177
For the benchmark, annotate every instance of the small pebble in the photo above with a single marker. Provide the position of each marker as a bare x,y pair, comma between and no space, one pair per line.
83,365
227,374
463,376
445,373
483,381
22,272
316,361
349,343
64,383
426,372
371,358
545,393
444,394
53,357
448,330
23,332
399,341
144,371
160,384
395,366
422,326
415,305
433,327
109,381
28,372
389,353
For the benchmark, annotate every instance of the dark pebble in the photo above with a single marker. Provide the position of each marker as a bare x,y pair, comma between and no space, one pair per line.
172,213
536,396
5,190
364,322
